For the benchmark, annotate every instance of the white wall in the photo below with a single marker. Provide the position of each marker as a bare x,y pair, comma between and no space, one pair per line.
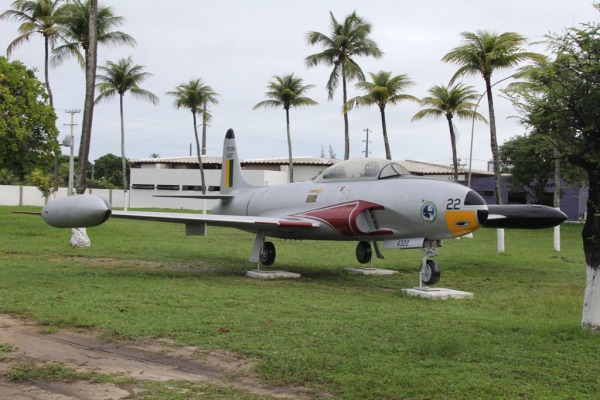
145,198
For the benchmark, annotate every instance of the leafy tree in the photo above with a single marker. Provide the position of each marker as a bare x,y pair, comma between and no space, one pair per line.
108,168
483,53
287,91
566,109
346,41
530,162
28,134
444,101
193,96
36,17
119,78
43,181
385,89
6,177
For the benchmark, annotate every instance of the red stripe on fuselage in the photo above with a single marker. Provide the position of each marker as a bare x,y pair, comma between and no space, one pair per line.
343,217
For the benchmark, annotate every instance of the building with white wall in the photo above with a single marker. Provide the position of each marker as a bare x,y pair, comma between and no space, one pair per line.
180,176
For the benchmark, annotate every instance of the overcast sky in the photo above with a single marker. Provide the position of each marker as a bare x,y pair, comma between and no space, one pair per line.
236,47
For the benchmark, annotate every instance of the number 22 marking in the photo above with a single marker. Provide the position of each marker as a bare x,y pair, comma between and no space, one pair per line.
453,204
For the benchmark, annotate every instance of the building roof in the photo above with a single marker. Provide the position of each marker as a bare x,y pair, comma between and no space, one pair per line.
415,167
307,160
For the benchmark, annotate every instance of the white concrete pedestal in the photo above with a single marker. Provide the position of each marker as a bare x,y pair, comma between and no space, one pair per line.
437,293
370,271
276,274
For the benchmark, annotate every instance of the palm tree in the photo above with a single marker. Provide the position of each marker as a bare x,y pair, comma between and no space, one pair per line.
483,53
346,41
74,20
450,102
385,89
85,25
193,96
119,78
37,17
287,91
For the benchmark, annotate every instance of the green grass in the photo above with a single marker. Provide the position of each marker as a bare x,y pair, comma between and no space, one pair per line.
354,337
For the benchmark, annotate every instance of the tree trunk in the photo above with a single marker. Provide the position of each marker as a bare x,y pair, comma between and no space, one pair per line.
88,111
494,141
50,98
198,152
346,125
591,248
204,118
289,140
123,159
557,183
51,102
453,145
495,157
388,152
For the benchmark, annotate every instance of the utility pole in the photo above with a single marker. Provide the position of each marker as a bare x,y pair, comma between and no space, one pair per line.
366,151
70,141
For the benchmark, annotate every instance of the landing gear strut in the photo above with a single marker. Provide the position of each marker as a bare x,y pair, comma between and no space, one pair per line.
430,269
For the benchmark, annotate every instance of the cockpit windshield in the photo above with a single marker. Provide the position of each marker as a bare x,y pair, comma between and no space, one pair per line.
363,169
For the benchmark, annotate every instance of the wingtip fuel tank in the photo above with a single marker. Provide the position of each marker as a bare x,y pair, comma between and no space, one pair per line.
523,216
81,211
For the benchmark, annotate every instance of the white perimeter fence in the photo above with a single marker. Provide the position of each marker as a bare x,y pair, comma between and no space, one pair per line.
31,195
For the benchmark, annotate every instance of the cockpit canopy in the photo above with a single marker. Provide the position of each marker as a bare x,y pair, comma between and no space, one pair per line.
362,169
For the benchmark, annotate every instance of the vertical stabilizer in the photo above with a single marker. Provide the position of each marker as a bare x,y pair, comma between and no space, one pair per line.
231,171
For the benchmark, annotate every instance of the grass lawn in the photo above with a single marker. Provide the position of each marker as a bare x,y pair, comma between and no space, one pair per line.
354,337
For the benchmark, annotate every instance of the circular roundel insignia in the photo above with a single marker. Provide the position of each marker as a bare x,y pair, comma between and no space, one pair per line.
429,211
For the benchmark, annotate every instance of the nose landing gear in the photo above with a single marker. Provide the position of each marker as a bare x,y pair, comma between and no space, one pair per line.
430,269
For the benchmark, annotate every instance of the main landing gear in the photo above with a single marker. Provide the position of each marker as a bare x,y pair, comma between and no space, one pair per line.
267,254
364,253
429,273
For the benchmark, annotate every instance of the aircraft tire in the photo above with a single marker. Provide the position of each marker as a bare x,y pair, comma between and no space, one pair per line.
363,252
431,273
267,254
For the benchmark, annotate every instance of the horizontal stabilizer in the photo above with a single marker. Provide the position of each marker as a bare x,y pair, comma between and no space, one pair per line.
523,216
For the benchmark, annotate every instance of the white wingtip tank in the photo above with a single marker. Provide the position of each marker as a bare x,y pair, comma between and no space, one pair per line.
231,170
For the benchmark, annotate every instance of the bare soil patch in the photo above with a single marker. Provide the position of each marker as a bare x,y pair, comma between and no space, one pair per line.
158,360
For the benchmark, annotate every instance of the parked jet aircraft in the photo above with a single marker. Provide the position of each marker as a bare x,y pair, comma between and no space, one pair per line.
369,201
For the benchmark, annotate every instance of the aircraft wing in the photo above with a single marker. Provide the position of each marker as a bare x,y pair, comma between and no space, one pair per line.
233,221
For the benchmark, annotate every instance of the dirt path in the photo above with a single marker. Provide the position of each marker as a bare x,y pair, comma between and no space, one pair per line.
158,360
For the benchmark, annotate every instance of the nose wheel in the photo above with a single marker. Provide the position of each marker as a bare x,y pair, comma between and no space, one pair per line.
430,272
430,269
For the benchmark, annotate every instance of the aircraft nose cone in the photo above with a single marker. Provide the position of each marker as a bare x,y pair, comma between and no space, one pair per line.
482,216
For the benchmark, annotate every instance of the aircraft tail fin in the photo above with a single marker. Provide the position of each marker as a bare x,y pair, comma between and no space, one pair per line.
231,170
